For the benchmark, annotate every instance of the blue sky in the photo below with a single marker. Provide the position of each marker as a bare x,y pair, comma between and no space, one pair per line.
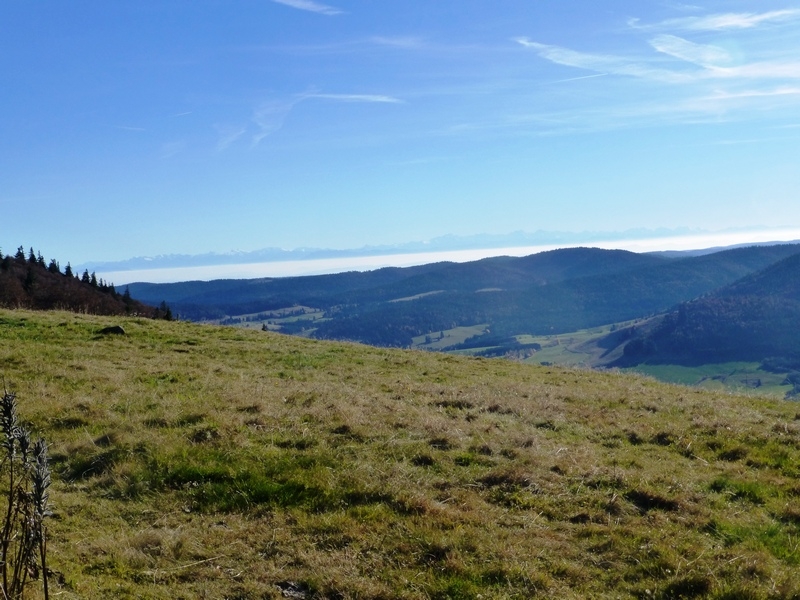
132,128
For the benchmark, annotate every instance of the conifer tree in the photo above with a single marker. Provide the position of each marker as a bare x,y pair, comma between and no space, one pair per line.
126,298
30,279
163,311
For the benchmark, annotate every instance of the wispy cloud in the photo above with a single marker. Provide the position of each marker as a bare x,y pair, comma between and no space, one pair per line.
723,21
419,161
270,116
627,112
311,6
581,77
398,41
682,6
170,149
777,92
759,70
601,63
725,68
715,62
357,98
699,54
228,135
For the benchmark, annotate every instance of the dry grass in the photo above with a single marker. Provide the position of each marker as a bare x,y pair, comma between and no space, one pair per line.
202,462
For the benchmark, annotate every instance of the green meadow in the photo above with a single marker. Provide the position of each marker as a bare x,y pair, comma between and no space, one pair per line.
196,461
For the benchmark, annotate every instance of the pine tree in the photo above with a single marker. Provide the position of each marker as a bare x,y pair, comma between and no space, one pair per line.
30,279
85,278
126,298
163,311
68,270
54,266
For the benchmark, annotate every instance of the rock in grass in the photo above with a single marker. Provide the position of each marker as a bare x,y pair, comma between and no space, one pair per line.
112,330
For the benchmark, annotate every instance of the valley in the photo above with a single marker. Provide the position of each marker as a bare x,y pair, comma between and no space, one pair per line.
720,319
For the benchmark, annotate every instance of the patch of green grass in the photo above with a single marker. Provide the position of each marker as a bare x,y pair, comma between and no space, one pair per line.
737,375
781,542
579,348
449,337
751,491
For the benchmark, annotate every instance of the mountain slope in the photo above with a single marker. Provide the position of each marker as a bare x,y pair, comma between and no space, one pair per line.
752,319
551,292
388,283
608,295
608,298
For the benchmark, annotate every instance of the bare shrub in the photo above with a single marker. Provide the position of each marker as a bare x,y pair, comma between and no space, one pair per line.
23,546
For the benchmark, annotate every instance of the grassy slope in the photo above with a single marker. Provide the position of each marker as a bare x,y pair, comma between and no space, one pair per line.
205,462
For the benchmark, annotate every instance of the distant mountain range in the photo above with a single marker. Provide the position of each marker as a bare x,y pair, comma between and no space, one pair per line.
439,244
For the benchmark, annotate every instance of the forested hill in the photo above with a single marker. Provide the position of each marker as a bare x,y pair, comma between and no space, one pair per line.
236,296
550,292
754,319
31,282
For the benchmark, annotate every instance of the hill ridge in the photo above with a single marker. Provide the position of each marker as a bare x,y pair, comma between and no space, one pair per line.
752,319
557,291
30,282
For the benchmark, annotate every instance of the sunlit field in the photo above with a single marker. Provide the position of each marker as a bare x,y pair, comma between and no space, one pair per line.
207,462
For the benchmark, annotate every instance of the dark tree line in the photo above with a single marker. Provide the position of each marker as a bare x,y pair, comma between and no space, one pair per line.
27,280
722,329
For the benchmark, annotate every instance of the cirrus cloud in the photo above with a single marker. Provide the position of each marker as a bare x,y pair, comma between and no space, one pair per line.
311,6
722,21
601,63
700,54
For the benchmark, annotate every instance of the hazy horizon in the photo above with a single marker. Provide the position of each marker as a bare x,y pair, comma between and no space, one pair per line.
290,268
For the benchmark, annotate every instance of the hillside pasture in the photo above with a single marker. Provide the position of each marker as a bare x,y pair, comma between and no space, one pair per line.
450,337
739,376
195,461
293,318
